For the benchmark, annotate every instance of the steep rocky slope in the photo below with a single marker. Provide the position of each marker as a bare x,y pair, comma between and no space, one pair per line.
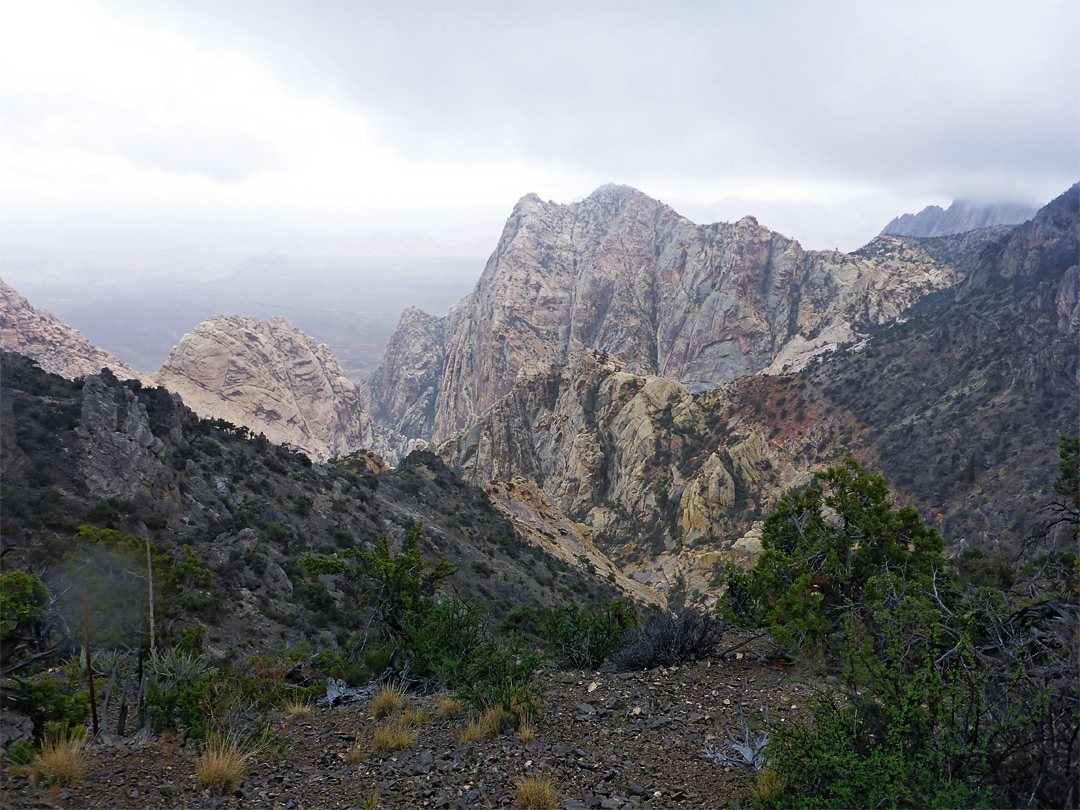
535,517
272,378
960,406
670,483
623,273
961,216
121,456
56,347
965,401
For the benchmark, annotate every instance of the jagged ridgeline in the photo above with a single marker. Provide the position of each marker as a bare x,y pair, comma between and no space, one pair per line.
100,467
654,386
959,400
623,273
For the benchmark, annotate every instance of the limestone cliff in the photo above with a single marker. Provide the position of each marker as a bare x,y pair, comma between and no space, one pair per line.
57,347
625,274
272,378
667,481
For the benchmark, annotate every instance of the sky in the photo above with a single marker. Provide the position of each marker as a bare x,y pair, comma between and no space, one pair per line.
156,123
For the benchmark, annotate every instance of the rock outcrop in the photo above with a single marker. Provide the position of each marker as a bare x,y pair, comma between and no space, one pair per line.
270,377
660,476
961,216
622,273
55,346
544,524
119,455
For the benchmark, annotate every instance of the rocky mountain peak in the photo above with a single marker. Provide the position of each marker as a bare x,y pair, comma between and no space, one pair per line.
961,216
57,347
272,378
623,273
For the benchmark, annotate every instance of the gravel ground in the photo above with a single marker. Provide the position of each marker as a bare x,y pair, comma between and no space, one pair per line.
608,740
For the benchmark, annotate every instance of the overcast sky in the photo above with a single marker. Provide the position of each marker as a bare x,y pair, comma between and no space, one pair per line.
168,121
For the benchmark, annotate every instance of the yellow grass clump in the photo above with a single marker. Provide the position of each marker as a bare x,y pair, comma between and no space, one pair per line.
393,735
490,724
387,701
525,730
222,764
358,753
768,786
62,757
447,706
536,793
412,717
298,710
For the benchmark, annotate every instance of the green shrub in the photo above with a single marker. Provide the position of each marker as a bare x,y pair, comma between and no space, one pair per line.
503,674
861,756
448,646
820,548
182,706
443,642
23,599
45,703
394,585
583,638
946,698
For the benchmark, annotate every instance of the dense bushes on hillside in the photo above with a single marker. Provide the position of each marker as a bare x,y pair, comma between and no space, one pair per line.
950,696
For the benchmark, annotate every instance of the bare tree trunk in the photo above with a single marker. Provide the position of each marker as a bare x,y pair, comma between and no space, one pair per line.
150,586
121,719
89,668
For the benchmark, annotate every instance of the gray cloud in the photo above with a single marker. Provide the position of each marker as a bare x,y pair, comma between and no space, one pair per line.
71,121
947,96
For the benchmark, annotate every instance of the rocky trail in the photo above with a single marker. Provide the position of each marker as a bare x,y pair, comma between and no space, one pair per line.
615,740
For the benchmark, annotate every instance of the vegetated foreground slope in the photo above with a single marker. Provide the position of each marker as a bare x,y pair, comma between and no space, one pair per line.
119,456
630,740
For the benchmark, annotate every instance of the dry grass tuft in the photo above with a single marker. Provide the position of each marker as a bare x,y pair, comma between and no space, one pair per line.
490,724
393,735
387,701
768,785
62,758
223,764
447,706
412,717
536,793
525,730
358,753
299,710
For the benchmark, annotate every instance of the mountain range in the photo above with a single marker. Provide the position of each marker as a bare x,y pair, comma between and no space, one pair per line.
659,384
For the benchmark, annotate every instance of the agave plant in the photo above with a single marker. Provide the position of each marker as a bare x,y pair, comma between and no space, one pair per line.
176,666
749,752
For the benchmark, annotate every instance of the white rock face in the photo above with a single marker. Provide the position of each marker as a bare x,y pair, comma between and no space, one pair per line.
57,347
625,274
272,378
